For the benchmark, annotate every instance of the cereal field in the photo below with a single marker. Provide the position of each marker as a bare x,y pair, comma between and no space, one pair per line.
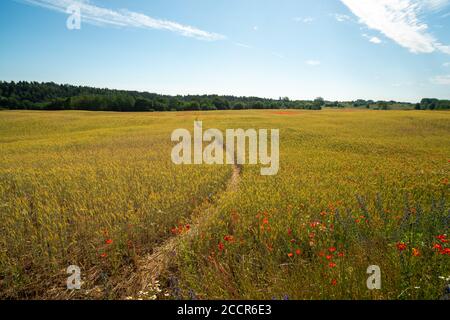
99,190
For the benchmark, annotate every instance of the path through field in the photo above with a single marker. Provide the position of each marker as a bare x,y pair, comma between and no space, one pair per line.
152,266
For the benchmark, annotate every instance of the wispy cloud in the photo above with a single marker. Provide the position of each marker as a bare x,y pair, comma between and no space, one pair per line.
304,19
442,80
243,45
399,21
93,14
313,63
374,40
434,5
341,17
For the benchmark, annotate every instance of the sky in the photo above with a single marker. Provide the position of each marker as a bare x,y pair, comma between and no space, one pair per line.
301,49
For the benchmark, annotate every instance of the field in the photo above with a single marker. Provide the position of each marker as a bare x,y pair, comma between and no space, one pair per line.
355,188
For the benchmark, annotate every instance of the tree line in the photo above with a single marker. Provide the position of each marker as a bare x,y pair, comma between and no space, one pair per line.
433,104
52,96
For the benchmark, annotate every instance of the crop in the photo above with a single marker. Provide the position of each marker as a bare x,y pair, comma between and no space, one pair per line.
99,190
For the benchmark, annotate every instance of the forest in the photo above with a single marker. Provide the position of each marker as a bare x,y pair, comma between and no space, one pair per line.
51,96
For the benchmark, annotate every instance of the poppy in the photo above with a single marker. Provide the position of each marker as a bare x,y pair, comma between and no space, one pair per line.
332,249
221,246
333,282
290,254
442,238
228,238
298,251
109,241
415,252
332,264
401,246
104,255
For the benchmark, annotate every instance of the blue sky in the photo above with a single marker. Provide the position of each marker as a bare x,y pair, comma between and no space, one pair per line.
337,49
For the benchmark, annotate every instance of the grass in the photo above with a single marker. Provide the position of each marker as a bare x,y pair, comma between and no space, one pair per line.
355,188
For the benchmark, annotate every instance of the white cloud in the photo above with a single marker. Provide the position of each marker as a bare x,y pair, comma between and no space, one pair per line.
304,20
243,45
313,63
443,80
341,17
374,40
399,21
123,18
434,5
446,64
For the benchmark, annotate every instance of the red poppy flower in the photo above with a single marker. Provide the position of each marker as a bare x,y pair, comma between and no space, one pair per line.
332,264
341,254
290,254
292,240
104,255
329,257
401,246
109,241
298,251
333,282
221,246
437,246
228,238
314,224
415,252
446,251
332,249
188,227
442,238
289,231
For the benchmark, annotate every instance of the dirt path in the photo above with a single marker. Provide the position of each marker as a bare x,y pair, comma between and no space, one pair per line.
152,266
